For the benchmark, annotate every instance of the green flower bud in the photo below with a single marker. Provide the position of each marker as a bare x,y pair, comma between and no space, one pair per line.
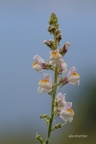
56,126
47,121
39,138
53,22
43,116
52,29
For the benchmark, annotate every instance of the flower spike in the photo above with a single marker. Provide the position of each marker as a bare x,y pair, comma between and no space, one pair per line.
59,106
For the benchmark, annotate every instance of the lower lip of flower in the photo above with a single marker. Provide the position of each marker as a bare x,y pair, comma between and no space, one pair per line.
54,53
44,81
70,110
75,74
34,63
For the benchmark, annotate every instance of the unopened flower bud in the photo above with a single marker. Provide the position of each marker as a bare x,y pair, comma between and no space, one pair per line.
59,37
62,67
58,31
57,126
63,81
66,46
52,42
46,42
53,20
43,116
64,49
47,121
49,43
39,138
51,29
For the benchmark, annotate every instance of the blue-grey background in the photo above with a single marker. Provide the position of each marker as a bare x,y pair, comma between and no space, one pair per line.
23,27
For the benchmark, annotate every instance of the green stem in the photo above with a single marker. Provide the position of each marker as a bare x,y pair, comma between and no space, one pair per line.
55,41
53,96
52,105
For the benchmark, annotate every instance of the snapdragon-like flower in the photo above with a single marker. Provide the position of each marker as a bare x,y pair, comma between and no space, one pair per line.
67,112
62,67
73,77
45,85
38,63
55,57
59,103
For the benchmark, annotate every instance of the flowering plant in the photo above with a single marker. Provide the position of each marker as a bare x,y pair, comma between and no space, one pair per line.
59,106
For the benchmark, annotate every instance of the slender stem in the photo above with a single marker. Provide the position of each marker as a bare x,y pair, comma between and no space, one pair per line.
52,105
55,41
53,97
63,123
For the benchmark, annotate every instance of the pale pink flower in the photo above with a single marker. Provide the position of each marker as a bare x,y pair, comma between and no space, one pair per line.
45,85
38,63
55,57
73,77
62,67
60,103
67,113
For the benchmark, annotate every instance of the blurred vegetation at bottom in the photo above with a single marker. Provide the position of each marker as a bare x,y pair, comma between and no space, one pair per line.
84,122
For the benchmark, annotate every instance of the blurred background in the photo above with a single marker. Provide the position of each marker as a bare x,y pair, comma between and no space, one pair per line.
23,27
